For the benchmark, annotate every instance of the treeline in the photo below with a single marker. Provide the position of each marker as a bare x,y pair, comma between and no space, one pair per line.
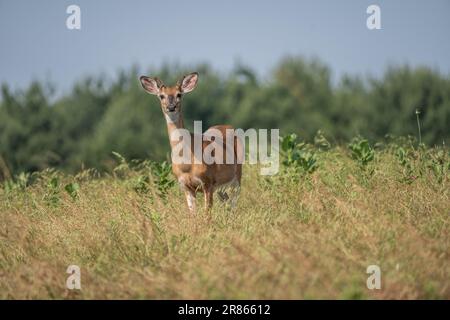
98,116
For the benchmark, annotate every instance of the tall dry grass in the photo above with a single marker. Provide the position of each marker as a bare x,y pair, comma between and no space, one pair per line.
293,236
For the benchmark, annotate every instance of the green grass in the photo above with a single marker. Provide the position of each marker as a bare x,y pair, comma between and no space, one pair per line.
304,233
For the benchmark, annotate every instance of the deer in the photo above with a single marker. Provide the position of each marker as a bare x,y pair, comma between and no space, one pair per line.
197,176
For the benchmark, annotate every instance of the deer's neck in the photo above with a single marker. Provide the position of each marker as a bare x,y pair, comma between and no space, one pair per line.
174,122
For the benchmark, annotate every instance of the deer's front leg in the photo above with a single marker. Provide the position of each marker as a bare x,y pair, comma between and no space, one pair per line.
208,198
190,198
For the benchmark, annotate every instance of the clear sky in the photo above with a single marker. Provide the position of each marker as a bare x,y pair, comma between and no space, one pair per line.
35,43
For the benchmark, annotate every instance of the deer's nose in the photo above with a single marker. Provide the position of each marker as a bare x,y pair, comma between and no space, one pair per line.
171,108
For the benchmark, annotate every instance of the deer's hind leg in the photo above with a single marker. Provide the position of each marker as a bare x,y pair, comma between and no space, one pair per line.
235,191
190,199
208,192
222,195
229,194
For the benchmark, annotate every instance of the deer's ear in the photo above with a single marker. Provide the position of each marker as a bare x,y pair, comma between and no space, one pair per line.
151,85
189,82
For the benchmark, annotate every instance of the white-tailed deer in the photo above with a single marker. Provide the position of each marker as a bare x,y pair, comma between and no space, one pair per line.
197,176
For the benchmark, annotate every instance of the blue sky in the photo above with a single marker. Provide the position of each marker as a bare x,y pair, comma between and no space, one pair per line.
35,43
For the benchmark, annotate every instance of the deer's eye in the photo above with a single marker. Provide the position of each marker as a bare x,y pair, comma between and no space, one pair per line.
179,95
161,97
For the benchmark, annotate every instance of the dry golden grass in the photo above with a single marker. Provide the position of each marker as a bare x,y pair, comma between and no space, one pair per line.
311,237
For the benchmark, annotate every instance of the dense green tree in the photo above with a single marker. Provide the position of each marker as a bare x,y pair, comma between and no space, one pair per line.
100,116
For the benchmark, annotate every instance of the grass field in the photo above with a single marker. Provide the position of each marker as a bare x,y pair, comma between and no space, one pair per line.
309,232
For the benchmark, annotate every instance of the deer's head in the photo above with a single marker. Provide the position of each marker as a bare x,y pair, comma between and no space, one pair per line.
170,97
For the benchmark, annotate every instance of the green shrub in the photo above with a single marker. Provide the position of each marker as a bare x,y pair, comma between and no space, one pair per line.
296,155
361,151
